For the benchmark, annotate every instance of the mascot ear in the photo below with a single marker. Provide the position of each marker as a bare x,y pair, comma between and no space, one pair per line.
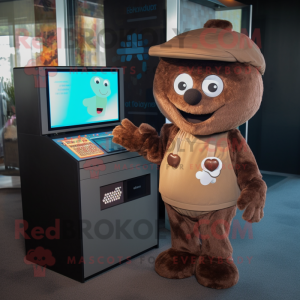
216,23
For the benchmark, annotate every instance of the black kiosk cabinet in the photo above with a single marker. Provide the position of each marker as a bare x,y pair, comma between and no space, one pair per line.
87,200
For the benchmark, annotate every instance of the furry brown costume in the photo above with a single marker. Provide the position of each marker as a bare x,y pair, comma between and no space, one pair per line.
195,112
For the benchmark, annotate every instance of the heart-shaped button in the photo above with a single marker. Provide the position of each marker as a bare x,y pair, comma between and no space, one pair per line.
173,160
211,164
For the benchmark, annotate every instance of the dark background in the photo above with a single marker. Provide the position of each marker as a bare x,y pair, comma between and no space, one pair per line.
138,90
274,132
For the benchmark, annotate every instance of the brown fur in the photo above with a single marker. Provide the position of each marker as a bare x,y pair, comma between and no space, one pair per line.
145,139
223,24
147,143
253,188
239,101
215,267
177,262
209,260
213,274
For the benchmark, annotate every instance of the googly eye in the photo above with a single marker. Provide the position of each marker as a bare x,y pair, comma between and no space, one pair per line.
182,83
97,80
106,82
212,86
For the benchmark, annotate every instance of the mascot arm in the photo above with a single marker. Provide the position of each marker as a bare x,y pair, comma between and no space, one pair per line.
144,139
253,188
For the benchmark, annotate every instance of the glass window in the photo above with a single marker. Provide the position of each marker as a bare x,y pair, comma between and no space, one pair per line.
89,36
232,15
28,37
194,15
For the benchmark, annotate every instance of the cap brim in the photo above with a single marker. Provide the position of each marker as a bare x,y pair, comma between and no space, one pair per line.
182,53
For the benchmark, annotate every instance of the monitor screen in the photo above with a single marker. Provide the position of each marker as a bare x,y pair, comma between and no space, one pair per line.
80,98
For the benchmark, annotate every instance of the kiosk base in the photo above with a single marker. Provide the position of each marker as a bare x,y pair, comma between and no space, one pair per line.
91,214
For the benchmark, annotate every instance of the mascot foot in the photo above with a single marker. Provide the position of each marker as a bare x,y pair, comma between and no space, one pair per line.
216,273
174,264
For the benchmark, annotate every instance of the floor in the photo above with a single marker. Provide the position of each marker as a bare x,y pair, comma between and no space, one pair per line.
8,171
267,256
7,182
9,178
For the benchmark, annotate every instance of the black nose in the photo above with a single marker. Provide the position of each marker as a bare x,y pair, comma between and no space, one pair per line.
192,96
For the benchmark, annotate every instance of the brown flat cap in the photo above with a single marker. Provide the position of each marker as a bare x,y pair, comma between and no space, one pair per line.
212,44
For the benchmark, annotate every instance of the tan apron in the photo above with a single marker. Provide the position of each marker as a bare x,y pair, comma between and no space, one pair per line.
181,188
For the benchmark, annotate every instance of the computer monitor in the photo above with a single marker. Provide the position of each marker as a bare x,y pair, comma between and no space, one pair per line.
82,97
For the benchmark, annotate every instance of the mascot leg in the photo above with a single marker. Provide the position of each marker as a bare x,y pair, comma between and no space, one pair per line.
215,267
180,260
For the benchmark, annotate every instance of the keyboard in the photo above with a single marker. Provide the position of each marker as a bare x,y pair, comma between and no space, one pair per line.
82,147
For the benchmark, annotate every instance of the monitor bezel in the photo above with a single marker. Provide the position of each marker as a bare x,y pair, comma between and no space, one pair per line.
45,100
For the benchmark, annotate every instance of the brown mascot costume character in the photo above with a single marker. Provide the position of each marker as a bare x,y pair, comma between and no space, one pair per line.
207,83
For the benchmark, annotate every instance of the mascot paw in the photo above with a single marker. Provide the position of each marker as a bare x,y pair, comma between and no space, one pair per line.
253,213
253,202
147,129
210,272
125,135
174,264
